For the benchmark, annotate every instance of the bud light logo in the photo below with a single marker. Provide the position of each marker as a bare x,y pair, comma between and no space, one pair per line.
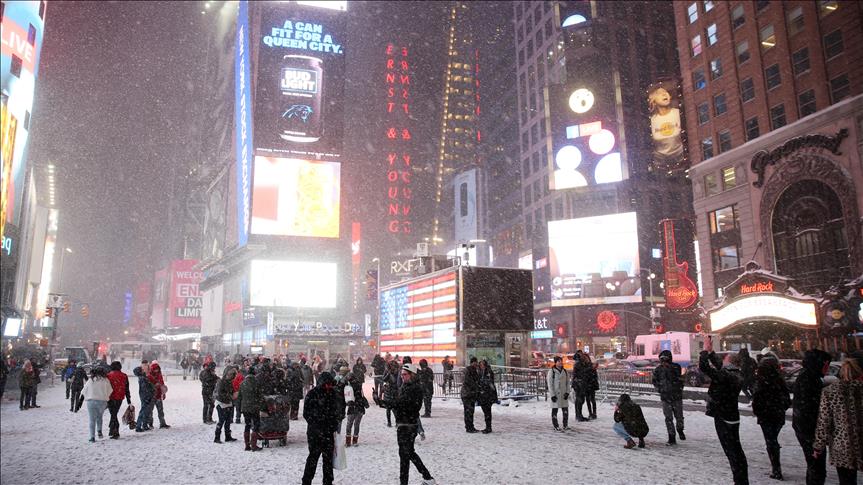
299,81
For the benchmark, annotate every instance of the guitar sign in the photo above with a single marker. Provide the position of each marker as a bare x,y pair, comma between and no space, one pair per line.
680,291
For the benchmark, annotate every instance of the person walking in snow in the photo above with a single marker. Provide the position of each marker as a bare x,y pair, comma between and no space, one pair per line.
390,387
96,393
591,385
295,389
119,390
238,380
770,400
160,391
470,394
225,397
840,422
426,378
807,397
668,382
580,384
323,413
487,393
355,410
379,366
208,379
146,392
629,422
448,374
557,381
66,377
26,382
308,376
725,384
747,371
79,377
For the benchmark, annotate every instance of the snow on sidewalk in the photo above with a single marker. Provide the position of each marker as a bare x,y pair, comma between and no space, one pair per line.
49,445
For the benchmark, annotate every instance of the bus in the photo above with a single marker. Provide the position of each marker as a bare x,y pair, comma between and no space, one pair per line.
137,350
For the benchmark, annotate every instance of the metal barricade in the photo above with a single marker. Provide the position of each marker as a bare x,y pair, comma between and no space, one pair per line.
613,383
511,382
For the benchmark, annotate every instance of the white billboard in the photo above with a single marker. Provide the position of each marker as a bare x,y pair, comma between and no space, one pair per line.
594,260
466,213
302,284
211,311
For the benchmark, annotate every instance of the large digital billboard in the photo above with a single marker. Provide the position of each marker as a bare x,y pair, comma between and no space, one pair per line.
20,45
185,298
594,260
293,197
299,102
300,284
666,126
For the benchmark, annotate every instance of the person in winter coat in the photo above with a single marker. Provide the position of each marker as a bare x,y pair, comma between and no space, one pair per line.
159,394
747,370
426,379
195,362
379,366
184,364
119,390
27,380
840,422
580,383
591,385
308,376
668,381
470,394
79,377
390,387
406,407
487,393
66,376
725,385
323,413
557,381
770,400
629,421
34,390
147,393
208,386
225,396
448,374
252,402
96,393
295,389
807,397
238,379
264,377
359,370
355,410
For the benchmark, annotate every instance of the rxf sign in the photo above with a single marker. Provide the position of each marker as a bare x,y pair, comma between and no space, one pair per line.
404,268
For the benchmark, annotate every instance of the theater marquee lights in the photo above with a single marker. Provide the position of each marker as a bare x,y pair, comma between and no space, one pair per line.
397,139
761,307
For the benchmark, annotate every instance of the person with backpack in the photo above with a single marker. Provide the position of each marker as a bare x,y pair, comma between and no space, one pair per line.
668,382
807,397
119,389
770,400
224,398
208,379
66,376
629,422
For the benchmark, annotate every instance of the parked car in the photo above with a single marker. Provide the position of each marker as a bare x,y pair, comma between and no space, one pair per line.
637,368
831,377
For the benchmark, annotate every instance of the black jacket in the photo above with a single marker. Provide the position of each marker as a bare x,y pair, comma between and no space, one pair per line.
408,403
470,385
807,393
225,390
426,378
668,382
725,385
251,400
379,365
208,382
360,403
294,380
79,377
584,378
146,389
266,382
359,372
770,398
487,389
323,413
632,418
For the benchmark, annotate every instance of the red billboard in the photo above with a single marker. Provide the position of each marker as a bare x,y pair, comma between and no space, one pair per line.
185,299
141,306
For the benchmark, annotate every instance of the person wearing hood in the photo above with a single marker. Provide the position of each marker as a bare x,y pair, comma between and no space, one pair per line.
470,394
840,422
668,381
119,390
225,397
323,412
557,382
295,389
96,393
807,397
725,384
629,422
79,377
747,371
406,407
26,380
146,392
426,378
359,370
265,378
208,379
252,402
770,400
159,394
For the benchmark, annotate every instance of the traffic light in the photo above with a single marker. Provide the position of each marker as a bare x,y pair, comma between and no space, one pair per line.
85,311
49,312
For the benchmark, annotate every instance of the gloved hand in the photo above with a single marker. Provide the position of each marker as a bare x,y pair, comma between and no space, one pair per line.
553,398
566,396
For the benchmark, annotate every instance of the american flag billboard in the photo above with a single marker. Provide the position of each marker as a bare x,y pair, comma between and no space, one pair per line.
419,318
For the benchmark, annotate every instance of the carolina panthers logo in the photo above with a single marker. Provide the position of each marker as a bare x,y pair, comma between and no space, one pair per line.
300,111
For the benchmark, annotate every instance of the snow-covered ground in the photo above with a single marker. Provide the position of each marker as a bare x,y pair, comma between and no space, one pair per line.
49,445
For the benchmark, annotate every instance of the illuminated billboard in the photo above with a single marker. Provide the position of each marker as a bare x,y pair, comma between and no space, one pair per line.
185,298
243,125
666,127
594,260
299,102
294,197
300,284
20,45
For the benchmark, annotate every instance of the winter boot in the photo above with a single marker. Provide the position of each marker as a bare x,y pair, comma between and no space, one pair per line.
356,438
228,437
629,444
246,441
254,441
681,435
218,434
671,441
776,466
641,442
348,440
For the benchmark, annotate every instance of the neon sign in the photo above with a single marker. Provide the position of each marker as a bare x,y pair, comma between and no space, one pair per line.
397,135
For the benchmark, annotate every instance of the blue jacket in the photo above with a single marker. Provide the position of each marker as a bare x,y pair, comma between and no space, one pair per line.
67,374
146,390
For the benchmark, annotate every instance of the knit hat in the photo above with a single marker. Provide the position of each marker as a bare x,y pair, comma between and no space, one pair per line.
410,368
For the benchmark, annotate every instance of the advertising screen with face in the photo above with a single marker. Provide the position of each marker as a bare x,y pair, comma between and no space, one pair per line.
666,126
299,284
594,260
292,197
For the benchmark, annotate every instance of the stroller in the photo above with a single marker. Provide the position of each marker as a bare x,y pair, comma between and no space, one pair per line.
275,421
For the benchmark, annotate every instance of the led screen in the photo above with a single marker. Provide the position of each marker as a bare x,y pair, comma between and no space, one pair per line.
292,284
293,197
594,260
13,327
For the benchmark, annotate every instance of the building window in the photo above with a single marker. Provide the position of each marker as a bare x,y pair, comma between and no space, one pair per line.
772,76
692,10
800,61
719,106
528,196
806,102
695,44
707,148
826,7
761,5
715,68
747,89
536,161
768,38
711,35
777,116
796,23
698,80
708,5
703,111
724,141
711,185
737,18
525,167
752,131
31,35
723,220
727,257
840,88
833,45
742,52
16,65
729,178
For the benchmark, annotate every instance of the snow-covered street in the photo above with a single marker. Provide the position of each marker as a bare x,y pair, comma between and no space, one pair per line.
49,445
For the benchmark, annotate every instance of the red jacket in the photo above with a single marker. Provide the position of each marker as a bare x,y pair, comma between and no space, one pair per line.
119,385
237,381
155,378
